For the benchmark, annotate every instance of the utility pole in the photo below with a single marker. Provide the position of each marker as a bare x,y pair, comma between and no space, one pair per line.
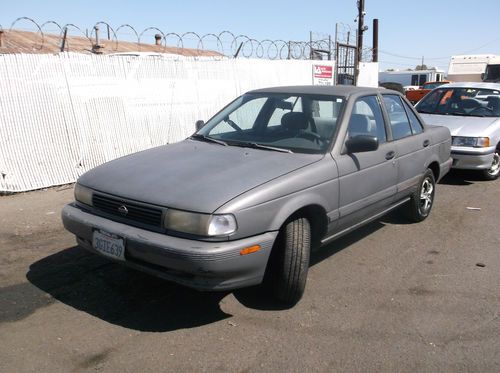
375,40
361,28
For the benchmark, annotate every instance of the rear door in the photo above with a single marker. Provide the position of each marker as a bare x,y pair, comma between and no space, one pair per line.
367,180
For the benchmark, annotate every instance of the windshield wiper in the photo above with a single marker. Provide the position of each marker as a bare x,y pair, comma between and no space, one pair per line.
198,136
261,146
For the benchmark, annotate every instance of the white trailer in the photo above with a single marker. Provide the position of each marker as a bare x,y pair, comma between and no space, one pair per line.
411,78
468,68
492,72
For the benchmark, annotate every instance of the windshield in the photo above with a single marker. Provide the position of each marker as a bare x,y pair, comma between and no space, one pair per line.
280,122
473,102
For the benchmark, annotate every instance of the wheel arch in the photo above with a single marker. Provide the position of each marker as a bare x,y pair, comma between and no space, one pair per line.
434,167
312,209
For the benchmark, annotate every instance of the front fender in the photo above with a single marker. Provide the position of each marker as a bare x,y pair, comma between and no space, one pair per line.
270,216
300,202
266,208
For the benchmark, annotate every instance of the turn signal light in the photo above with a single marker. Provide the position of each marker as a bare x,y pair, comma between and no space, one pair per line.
249,250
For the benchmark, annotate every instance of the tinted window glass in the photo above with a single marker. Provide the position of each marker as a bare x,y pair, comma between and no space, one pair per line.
367,119
416,126
397,115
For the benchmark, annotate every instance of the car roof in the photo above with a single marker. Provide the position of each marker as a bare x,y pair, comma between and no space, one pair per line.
472,85
338,90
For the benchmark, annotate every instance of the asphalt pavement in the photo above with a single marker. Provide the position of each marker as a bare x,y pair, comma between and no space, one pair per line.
390,297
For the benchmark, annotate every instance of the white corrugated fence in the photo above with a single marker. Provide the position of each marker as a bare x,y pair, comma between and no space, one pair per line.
61,115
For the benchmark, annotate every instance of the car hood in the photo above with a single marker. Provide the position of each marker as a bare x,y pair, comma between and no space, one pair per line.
461,125
192,175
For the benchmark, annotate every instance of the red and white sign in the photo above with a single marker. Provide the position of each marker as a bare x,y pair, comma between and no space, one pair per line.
322,75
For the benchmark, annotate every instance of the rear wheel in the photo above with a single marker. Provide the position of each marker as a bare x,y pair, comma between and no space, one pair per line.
292,261
494,170
421,201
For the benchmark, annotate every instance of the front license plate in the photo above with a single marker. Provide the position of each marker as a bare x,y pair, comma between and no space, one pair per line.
109,245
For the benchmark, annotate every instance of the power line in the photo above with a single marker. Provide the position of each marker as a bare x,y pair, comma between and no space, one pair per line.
482,46
413,58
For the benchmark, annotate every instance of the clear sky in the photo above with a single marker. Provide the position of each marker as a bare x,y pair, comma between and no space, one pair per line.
435,29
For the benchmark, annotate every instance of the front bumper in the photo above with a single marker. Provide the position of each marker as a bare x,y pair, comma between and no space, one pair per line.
197,264
471,159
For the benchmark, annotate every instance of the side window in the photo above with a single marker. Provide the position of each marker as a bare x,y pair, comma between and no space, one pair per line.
416,126
244,118
246,115
367,119
326,109
325,114
397,115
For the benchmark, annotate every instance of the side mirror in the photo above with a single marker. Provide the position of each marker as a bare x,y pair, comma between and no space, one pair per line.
199,124
361,143
482,76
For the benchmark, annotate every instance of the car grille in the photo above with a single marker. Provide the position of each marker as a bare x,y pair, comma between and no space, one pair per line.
135,212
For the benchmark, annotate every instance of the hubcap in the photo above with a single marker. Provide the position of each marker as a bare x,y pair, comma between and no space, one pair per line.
495,165
426,195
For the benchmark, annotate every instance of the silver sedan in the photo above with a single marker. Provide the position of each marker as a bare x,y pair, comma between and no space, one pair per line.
472,113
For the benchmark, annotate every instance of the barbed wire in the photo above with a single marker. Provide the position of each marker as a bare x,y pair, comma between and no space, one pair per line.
225,43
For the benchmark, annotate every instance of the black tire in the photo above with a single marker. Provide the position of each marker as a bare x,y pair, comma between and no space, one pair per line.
292,261
493,172
420,204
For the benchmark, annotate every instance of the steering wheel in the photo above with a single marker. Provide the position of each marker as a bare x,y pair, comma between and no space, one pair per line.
482,110
309,135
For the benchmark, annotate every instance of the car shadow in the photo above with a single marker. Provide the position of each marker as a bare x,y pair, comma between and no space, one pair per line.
122,296
135,300
461,177
261,298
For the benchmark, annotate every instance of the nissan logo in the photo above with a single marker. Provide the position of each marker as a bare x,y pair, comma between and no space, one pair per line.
123,210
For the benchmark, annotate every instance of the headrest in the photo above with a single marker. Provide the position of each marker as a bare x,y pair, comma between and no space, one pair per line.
359,124
294,121
470,103
493,101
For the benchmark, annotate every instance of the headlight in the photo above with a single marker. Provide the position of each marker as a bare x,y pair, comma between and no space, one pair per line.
83,194
474,142
200,224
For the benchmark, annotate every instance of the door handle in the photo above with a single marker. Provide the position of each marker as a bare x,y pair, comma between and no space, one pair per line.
426,143
390,155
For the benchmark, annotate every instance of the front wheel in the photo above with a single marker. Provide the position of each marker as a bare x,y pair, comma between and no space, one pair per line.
494,170
292,264
420,204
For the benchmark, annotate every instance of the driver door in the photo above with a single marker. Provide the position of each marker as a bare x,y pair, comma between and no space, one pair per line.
367,180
